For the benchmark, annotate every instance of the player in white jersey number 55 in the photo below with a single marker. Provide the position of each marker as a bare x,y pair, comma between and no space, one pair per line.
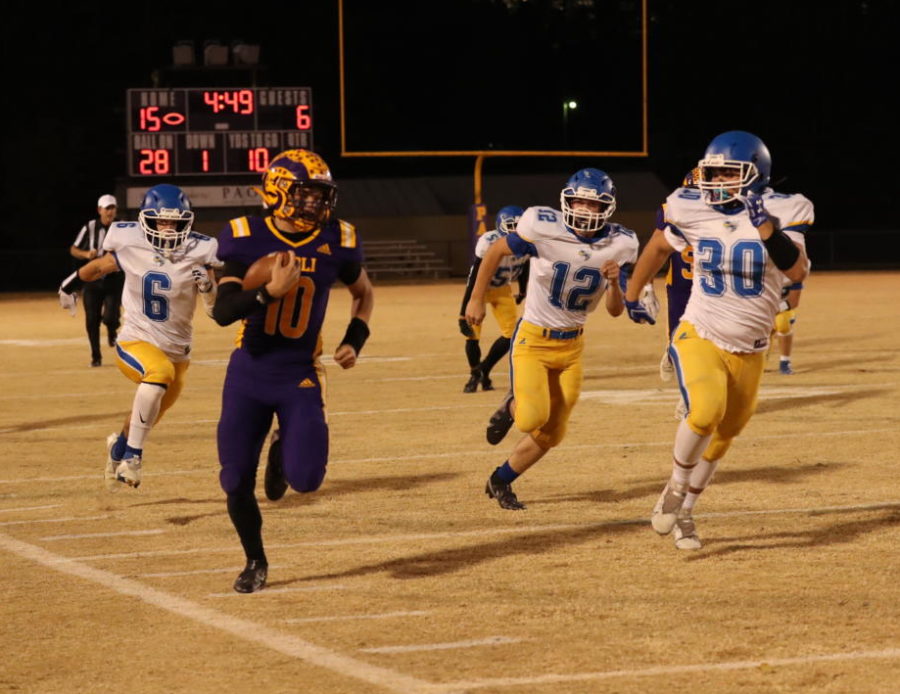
575,255
747,239
165,265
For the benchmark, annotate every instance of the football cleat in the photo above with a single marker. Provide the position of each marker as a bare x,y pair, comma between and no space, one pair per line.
128,471
504,495
500,422
472,384
274,482
667,507
784,368
109,474
686,532
486,383
253,577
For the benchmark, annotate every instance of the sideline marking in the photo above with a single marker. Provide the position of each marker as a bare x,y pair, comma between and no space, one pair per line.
483,452
489,641
481,532
664,670
246,630
345,618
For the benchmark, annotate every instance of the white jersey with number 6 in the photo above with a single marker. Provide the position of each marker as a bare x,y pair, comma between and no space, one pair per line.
160,295
736,287
564,281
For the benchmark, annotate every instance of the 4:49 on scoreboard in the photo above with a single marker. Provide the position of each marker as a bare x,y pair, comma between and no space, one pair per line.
206,131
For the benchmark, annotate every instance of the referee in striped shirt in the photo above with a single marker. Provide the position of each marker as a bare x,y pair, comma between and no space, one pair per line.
103,298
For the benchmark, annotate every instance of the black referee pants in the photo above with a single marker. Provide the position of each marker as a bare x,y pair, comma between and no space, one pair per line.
102,301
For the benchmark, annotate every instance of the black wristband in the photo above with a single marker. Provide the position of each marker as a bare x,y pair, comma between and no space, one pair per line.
782,250
72,283
263,296
357,334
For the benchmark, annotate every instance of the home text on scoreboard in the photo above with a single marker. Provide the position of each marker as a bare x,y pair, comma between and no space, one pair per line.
205,131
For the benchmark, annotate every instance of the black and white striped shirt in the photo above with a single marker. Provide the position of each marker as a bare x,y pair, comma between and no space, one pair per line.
91,237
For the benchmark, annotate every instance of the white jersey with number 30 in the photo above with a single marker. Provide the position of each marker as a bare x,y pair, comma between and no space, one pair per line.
160,295
736,287
564,281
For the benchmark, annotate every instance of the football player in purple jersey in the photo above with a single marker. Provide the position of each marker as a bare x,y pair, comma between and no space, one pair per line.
275,370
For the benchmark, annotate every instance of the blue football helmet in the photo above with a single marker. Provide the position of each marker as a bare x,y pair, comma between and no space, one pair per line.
744,154
166,217
508,218
588,184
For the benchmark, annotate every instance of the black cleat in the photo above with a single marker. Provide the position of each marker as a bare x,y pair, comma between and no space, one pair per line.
111,338
252,578
274,482
472,384
500,422
486,383
504,495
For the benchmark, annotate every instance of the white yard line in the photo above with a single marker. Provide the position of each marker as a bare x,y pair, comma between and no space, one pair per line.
662,670
236,627
472,643
483,532
352,617
29,508
278,591
480,452
91,536
72,519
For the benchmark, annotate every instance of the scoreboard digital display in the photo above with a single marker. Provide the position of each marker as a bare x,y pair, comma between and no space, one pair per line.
208,132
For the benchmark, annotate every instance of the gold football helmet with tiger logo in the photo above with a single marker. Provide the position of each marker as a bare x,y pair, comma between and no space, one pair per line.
298,187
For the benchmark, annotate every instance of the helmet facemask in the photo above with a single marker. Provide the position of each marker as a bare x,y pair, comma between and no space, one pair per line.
582,221
166,228
721,192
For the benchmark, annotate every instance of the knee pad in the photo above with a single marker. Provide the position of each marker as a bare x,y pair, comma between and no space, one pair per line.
234,482
548,440
304,469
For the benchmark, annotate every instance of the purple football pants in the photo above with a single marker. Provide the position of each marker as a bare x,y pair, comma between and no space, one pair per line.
256,388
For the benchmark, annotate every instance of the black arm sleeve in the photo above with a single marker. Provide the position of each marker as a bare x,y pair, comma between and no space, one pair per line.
350,272
234,303
782,250
470,285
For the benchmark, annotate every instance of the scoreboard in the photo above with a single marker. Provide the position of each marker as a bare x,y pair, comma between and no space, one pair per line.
208,132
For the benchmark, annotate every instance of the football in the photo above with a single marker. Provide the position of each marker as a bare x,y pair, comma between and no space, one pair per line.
261,271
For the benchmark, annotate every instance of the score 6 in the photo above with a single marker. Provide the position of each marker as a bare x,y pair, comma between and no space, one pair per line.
304,120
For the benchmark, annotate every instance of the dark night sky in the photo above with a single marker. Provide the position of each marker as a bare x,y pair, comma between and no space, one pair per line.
810,78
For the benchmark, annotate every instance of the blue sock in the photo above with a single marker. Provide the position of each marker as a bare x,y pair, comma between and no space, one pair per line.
506,474
132,452
118,449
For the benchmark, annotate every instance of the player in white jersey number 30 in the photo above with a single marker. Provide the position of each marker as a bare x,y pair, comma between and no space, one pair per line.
165,265
575,255
747,239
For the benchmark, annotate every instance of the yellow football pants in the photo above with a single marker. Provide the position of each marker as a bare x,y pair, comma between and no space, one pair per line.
720,388
546,375
142,362
503,306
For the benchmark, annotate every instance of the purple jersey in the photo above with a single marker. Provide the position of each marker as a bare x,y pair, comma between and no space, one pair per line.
288,329
679,280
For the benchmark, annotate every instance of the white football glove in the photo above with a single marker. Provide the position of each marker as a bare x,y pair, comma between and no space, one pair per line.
201,279
68,301
649,300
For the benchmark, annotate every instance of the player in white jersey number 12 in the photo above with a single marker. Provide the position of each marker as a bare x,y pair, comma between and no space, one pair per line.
747,239
165,265
575,255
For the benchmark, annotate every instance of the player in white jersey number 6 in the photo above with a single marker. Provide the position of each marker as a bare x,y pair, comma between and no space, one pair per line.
747,239
165,265
575,255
